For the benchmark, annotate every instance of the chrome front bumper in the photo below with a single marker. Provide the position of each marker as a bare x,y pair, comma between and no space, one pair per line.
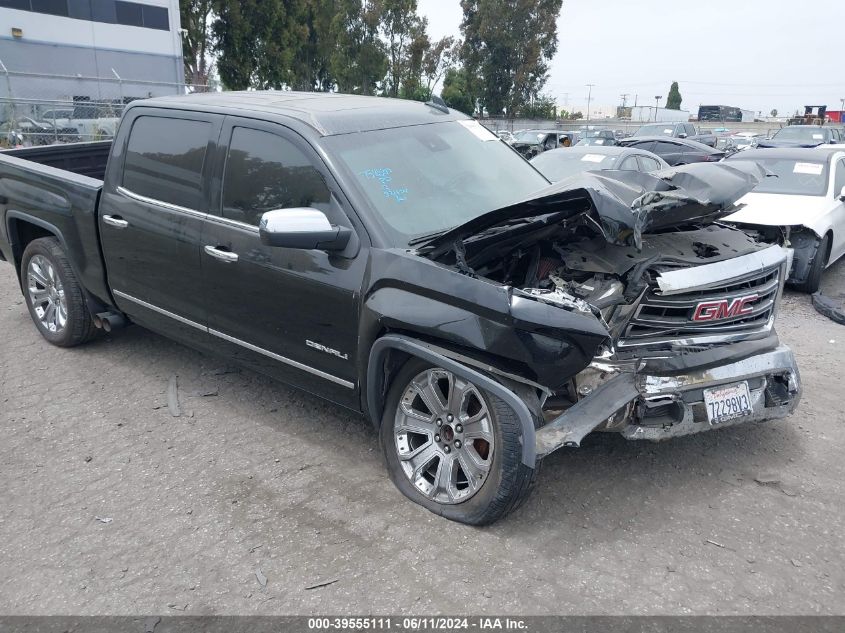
643,406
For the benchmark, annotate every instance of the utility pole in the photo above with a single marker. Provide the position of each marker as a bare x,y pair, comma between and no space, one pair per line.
589,97
624,99
657,99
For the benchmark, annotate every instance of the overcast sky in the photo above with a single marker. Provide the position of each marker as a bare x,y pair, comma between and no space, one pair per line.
753,54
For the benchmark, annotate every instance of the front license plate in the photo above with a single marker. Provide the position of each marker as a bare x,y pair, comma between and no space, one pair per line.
727,403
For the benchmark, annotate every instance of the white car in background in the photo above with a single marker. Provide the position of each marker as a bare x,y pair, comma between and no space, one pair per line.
745,140
802,205
88,129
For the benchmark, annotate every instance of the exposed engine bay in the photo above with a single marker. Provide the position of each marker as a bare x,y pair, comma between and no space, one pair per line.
591,275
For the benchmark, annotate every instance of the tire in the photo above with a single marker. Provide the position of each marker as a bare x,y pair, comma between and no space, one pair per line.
814,276
505,481
47,279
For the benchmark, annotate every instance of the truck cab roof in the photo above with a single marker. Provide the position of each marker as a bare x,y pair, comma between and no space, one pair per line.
327,114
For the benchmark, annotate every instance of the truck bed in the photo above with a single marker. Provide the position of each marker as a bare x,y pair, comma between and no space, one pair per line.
85,159
55,189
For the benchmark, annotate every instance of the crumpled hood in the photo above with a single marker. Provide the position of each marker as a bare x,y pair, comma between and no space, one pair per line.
626,204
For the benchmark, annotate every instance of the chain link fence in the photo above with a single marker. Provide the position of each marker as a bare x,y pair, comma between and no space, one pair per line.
42,109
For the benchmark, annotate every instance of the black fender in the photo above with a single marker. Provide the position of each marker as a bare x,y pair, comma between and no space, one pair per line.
95,305
375,380
14,239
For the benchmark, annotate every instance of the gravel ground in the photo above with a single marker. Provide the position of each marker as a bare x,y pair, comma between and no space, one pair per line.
112,506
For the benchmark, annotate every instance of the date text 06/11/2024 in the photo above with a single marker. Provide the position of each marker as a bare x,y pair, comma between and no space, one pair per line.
411,623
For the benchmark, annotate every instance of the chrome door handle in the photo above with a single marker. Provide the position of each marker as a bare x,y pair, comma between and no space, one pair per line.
223,256
116,222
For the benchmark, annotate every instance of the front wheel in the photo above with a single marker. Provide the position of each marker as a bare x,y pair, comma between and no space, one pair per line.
54,297
453,447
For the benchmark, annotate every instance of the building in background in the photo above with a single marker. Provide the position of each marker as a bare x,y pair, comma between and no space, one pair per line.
86,55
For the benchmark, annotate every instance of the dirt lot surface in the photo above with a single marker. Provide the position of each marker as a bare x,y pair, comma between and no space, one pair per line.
109,505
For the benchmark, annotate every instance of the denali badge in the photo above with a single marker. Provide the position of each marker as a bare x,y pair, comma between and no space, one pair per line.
723,309
327,350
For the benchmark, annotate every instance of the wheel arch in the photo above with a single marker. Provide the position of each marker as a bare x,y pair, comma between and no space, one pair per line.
23,228
390,352
829,232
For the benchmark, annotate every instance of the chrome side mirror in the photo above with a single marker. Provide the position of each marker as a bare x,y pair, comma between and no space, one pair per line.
303,228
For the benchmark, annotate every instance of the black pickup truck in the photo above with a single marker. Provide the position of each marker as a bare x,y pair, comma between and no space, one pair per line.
395,258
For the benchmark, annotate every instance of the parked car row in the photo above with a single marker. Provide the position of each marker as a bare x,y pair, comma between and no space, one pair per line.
562,163
800,204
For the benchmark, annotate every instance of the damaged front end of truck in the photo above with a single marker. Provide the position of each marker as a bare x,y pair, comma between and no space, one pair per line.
679,310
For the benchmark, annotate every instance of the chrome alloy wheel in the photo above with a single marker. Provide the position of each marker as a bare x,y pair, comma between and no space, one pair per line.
46,294
444,436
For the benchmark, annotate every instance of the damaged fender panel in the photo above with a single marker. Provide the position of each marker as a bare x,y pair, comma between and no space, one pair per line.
481,319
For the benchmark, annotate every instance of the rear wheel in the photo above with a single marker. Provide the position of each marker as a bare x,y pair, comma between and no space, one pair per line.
53,295
453,447
814,275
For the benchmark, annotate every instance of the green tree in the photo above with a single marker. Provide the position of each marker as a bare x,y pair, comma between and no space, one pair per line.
412,66
258,41
401,26
439,58
673,100
196,41
543,107
774,112
358,63
507,48
455,91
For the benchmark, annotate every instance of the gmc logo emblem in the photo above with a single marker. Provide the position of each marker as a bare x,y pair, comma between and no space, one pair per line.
723,309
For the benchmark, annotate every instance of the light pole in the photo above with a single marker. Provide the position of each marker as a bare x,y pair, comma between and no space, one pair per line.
589,97
657,99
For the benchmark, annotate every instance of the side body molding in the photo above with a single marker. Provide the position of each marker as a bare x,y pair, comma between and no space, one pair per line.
375,377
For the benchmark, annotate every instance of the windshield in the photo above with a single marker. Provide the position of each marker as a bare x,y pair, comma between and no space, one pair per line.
656,129
808,134
529,136
794,177
426,179
561,164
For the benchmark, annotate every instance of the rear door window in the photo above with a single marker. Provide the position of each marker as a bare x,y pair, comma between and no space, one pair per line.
164,160
648,164
648,146
265,172
666,148
629,164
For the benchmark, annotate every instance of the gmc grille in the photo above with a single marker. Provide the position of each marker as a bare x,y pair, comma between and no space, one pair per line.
669,319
